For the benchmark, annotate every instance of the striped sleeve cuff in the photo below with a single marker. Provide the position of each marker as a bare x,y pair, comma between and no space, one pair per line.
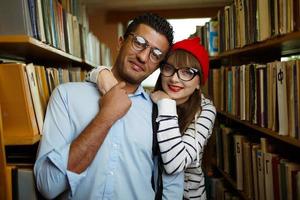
167,107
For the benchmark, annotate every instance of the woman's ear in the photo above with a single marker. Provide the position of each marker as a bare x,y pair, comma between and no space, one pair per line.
120,42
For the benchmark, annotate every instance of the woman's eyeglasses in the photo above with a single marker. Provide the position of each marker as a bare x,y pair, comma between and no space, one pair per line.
139,44
185,74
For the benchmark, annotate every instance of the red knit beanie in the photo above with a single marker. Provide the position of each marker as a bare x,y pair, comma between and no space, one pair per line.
193,46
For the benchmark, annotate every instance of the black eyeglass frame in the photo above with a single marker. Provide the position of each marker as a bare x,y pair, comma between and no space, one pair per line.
195,71
145,46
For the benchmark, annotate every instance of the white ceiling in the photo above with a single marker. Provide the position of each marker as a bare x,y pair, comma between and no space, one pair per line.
152,4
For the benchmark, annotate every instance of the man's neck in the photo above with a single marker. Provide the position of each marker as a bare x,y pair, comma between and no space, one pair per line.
130,88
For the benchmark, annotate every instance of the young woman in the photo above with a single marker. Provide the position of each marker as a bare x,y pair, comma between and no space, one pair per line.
185,117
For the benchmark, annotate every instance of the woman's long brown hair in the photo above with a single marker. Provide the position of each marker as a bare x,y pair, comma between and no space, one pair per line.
187,110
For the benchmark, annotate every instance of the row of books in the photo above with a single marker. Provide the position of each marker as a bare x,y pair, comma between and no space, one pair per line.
52,22
209,35
258,171
264,94
246,22
24,91
21,183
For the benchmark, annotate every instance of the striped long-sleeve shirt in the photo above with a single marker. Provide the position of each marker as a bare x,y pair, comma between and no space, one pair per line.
184,152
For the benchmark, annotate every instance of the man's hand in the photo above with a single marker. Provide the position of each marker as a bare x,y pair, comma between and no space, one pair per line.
105,81
158,95
115,103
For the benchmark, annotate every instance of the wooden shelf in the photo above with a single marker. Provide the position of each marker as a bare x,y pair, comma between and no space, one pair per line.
233,184
25,48
282,44
266,131
22,141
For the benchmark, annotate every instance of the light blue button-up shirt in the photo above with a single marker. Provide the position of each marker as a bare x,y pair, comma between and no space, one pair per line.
123,166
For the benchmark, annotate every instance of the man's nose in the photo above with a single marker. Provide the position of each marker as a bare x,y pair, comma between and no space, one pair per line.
144,54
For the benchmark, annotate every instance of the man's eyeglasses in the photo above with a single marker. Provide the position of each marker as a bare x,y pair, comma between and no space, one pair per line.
139,44
185,74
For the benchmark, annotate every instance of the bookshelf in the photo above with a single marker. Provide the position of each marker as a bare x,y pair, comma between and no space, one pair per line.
268,132
281,44
38,51
23,47
262,52
257,98
2,164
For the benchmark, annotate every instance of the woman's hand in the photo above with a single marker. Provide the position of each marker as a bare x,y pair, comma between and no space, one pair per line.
158,95
105,81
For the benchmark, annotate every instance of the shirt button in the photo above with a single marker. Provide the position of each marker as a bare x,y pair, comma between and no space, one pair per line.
115,145
111,173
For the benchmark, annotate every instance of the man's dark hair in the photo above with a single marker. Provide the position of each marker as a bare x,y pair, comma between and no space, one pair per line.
159,24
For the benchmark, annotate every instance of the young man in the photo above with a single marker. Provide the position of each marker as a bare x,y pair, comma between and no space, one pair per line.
101,147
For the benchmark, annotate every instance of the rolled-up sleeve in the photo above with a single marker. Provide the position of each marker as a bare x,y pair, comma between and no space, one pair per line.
50,169
173,186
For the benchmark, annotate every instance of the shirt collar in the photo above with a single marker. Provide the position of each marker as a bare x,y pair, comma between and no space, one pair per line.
140,91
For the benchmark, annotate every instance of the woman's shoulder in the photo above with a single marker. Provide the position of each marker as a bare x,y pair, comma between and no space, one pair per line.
207,103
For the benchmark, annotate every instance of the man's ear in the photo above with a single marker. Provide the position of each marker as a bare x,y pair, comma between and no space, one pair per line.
120,42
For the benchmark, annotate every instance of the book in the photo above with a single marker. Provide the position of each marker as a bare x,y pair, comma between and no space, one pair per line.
238,146
215,73
242,92
229,91
274,97
15,18
269,187
263,16
24,184
282,99
298,185
282,179
248,175
240,20
261,174
42,85
247,92
270,81
219,145
40,20
297,97
262,100
228,151
297,16
34,91
222,86
275,165
19,120
290,69
33,18
252,94
213,37
234,91
255,148
290,167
